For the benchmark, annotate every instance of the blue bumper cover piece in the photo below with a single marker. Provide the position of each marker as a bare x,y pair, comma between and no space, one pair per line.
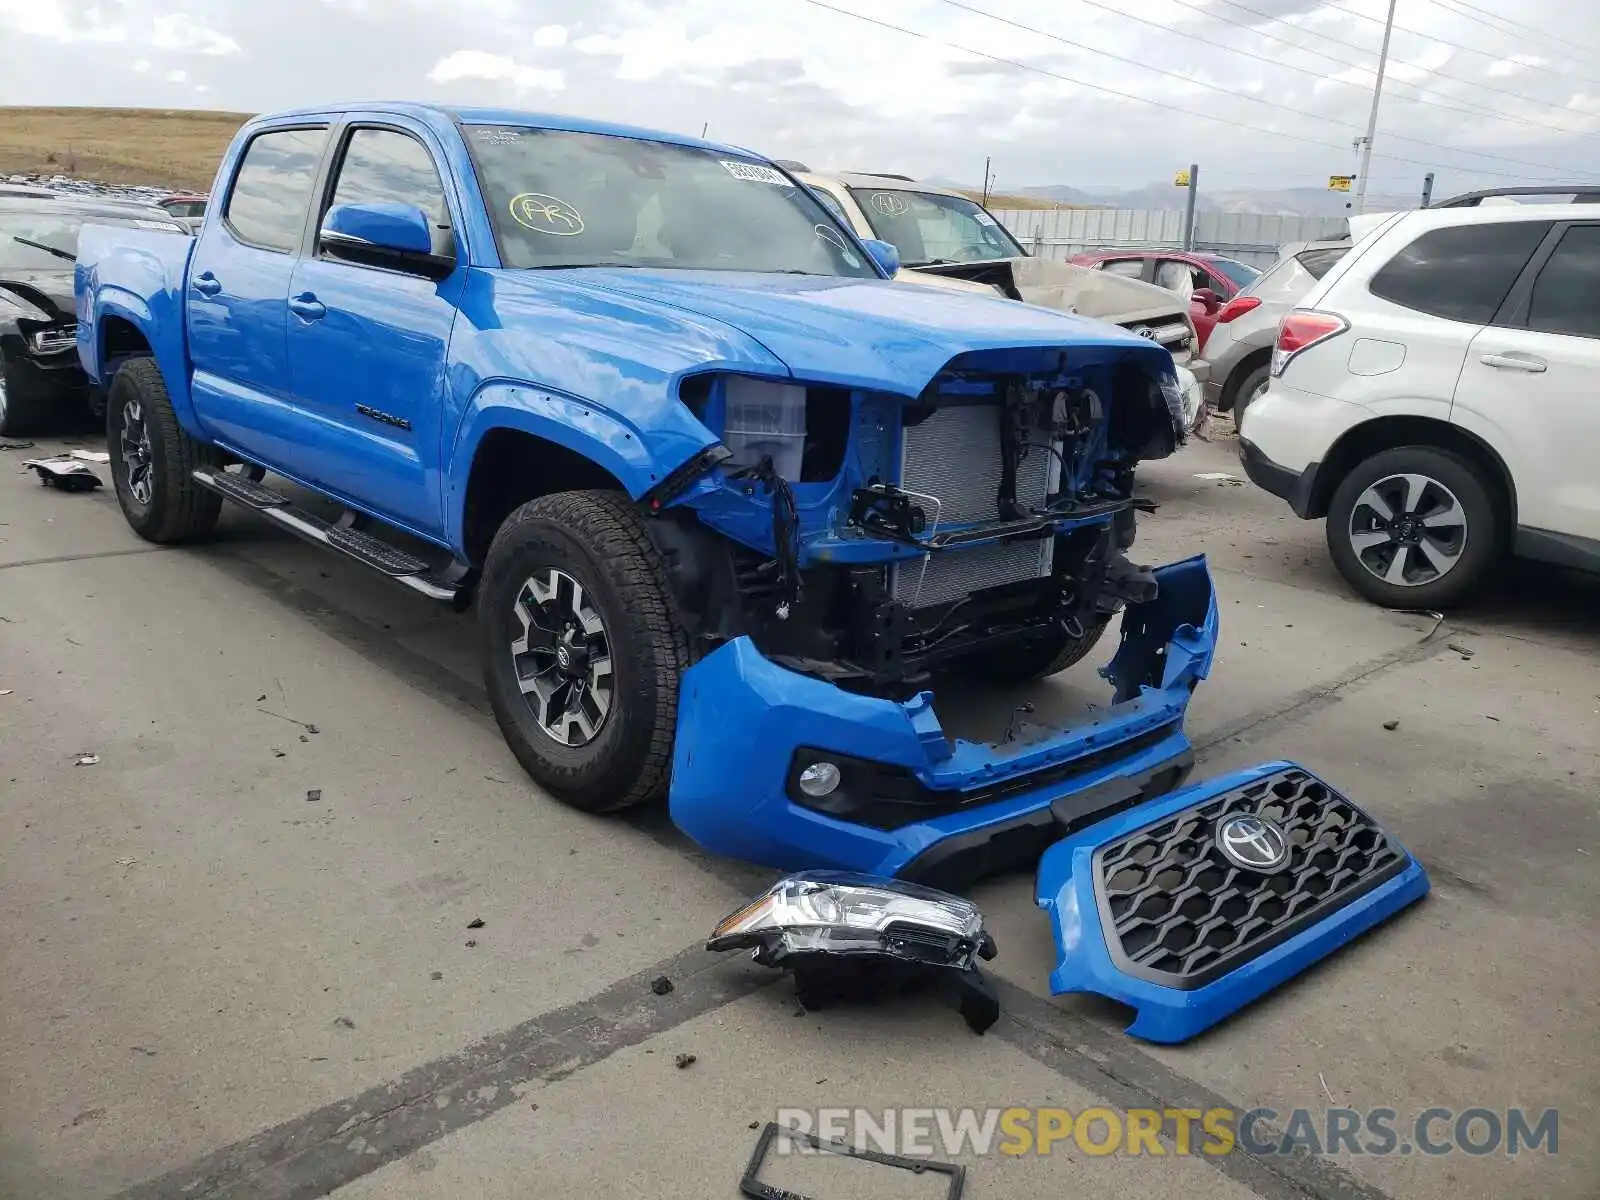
1149,911
961,809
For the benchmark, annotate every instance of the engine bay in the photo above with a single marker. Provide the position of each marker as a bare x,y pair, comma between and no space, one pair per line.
868,538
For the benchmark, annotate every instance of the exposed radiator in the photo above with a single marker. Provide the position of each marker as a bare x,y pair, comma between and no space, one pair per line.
955,455
957,573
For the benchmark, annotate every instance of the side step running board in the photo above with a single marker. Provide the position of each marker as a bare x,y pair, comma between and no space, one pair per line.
363,547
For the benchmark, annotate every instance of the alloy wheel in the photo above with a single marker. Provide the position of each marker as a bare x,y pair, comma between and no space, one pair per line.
1408,530
136,456
562,658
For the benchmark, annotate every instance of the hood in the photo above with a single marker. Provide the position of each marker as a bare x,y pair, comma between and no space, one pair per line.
1069,287
866,333
49,292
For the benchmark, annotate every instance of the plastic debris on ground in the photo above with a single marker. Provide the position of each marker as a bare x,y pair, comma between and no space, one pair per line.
851,938
65,472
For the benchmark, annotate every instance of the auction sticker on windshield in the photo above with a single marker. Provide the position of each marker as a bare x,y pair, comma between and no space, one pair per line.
546,214
754,173
888,204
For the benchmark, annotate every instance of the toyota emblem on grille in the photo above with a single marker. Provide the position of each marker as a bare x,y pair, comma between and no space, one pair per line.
1254,843
1145,331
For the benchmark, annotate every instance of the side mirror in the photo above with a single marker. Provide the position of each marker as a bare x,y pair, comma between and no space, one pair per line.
1209,298
384,234
885,254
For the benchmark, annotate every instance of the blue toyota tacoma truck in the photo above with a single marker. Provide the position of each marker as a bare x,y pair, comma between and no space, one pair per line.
728,501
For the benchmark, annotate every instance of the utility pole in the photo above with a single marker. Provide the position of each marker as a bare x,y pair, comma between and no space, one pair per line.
1427,189
1188,212
987,159
705,129
1372,118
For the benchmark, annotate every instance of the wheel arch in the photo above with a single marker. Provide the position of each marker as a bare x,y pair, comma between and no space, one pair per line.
509,467
1260,357
1388,433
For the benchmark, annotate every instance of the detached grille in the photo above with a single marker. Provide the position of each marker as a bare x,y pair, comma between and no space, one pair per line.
955,455
1177,912
1172,336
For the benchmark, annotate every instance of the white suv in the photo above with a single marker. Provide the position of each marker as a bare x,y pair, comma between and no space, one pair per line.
1436,397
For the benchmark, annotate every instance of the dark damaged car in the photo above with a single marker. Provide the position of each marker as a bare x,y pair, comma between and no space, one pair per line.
729,502
41,379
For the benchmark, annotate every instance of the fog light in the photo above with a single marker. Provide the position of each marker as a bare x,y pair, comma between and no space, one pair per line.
820,779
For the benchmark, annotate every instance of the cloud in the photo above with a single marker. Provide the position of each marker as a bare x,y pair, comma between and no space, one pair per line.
185,35
480,64
141,66
550,35
1514,65
177,76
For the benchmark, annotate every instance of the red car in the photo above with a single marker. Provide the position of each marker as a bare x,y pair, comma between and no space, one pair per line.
1209,280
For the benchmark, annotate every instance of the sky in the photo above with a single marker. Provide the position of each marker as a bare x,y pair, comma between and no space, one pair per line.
1261,93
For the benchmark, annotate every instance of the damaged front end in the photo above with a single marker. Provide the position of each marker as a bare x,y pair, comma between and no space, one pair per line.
852,547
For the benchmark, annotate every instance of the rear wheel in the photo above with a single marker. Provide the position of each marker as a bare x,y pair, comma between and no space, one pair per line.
1250,387
1048,655
582,652
153,459
1414,527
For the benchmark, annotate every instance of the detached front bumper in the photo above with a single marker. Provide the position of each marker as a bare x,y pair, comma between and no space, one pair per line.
911,801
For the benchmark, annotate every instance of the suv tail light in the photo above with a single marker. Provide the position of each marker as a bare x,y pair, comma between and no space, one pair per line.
1301,330
1237,307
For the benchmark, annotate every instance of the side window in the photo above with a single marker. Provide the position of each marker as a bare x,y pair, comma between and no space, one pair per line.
1133,268
383,165
272,190
1566,296
1462,273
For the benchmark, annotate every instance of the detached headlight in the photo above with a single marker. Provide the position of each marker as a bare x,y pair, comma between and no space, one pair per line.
847,936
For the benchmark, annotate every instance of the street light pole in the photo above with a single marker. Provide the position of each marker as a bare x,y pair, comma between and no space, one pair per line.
1372,118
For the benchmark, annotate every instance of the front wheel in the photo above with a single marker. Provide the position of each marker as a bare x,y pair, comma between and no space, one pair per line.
1414,527
1050,654
582,652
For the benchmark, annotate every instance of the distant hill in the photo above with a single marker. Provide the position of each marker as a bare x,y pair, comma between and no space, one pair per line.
1298,202
165,147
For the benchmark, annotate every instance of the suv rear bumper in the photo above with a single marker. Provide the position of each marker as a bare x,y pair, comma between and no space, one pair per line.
1296,487
913,802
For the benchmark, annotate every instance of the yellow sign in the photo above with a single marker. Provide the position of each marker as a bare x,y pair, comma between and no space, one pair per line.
1181,179
1340,183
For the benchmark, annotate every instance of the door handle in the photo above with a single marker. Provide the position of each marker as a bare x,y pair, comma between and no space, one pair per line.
307,307
1515,362
207,284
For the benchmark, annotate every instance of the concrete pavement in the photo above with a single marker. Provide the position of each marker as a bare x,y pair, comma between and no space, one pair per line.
213,985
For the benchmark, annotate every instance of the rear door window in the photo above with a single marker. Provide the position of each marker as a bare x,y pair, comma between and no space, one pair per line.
272,189
1566,296
1133,268
1462,273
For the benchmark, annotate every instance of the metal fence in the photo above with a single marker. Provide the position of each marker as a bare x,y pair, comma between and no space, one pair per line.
1252,238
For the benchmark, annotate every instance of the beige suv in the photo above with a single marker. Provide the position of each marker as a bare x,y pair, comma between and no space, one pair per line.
947,239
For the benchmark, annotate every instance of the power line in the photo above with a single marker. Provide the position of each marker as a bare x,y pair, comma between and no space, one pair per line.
1474,110
1344,62
1427,36
1505,25
1201,116
1066,41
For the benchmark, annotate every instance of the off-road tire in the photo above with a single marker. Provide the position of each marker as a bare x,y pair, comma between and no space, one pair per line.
1485,527
179,509
599,539
25,404
1024,662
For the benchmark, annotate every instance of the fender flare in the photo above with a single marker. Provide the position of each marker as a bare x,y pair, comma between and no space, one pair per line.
167,347
587,429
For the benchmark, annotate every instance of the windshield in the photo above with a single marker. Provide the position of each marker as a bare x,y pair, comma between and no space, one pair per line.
929,228
49,240
561,199
1241,275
